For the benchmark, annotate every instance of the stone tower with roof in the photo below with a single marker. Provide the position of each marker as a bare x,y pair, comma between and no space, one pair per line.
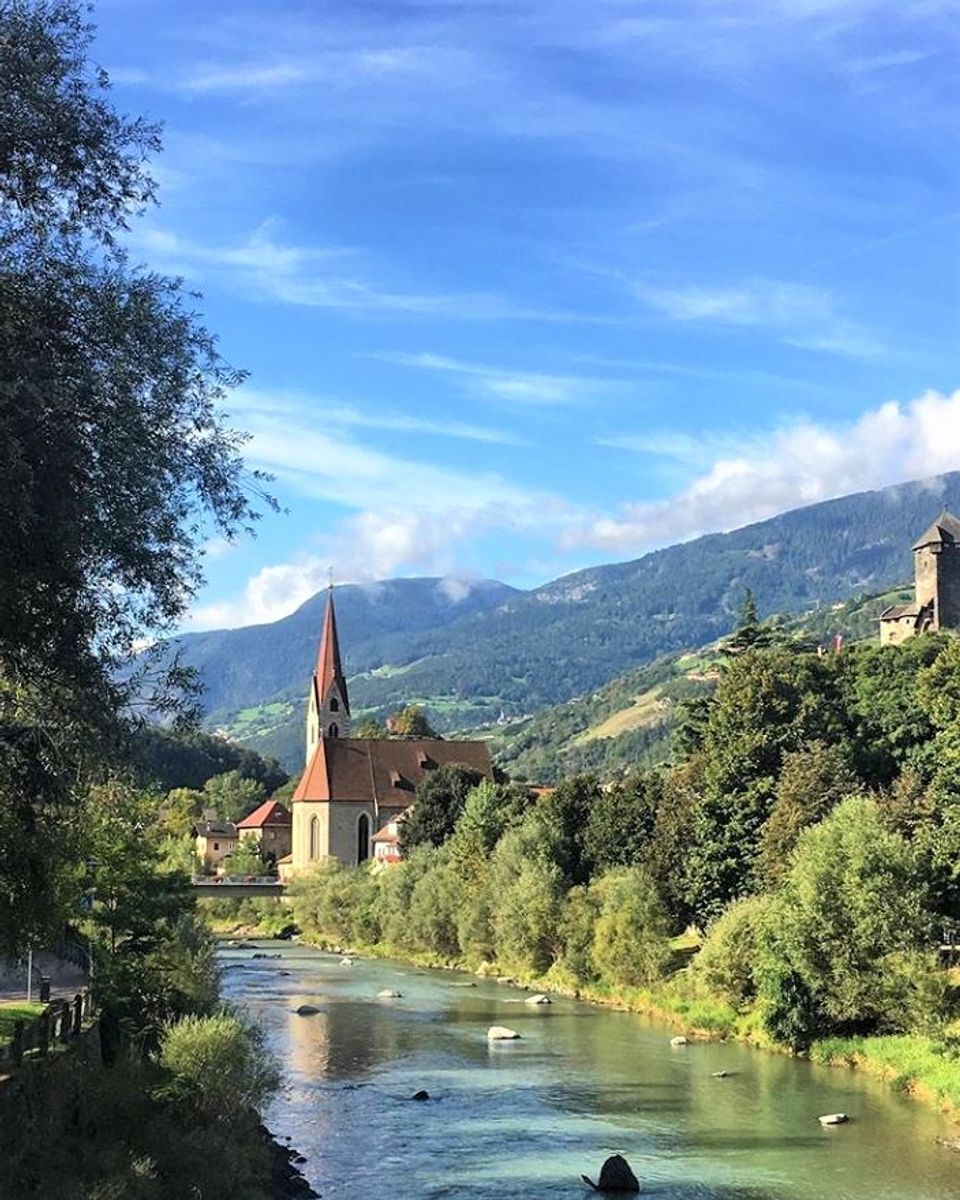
936,567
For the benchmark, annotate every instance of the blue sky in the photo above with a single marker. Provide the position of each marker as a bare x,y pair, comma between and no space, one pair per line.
528,286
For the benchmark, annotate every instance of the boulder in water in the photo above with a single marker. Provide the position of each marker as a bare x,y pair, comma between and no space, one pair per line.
539,998
421,1095
680,1040
834,1119
720,1074
615,1176
389,994
307,1010
346,962
500,1033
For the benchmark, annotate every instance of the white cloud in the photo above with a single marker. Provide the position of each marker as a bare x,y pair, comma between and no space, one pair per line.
802,316
801,464
531,388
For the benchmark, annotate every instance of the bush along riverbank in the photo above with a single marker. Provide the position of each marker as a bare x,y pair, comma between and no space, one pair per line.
834,964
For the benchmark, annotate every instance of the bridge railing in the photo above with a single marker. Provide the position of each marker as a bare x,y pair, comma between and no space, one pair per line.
60,1023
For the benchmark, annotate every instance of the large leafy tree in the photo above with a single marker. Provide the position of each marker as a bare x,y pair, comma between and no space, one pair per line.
440,800
768,703
115,460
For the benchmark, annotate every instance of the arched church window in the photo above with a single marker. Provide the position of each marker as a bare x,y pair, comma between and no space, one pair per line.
334,731
334,704
363,838
314,837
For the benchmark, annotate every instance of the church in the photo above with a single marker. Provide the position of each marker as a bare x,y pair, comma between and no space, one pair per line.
936,569
353,788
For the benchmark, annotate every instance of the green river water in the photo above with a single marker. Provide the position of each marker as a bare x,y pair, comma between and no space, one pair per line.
525,1118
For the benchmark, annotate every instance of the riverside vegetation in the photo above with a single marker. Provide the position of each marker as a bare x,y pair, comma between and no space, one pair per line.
809,826
117,466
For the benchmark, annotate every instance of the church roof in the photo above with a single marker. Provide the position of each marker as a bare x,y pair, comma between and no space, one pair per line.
270,812
329,670
382,771
944,530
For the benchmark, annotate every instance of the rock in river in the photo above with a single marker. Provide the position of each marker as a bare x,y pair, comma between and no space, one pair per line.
615,1176
834,1119
500,1033
680,1040
421,1095
389,994
539,998
307,1010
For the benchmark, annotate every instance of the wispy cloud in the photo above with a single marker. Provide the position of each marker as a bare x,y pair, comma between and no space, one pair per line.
801,464
339,415
800,315
325,277
515,387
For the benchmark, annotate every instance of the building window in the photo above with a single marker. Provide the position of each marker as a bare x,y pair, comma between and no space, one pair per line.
314,837
216,845
363,839
334,731
334,705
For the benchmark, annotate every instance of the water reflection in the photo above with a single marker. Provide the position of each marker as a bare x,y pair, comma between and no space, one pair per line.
524,1119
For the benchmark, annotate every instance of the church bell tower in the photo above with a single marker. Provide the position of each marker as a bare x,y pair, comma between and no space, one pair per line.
328,706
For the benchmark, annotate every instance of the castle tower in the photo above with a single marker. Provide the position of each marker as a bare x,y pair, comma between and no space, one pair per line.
328,706
936,568
936,559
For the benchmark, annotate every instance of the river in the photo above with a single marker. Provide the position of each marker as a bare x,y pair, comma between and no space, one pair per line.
524,1119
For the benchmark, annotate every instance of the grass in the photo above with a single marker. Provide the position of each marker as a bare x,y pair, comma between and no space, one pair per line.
925,1067
16,1010
645,710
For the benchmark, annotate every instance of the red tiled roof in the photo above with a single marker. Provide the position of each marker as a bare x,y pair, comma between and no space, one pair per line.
329,670
270,812
382,771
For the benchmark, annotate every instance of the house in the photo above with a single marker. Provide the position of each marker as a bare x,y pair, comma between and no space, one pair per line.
270,825
936,568
386,843
214,840
353,788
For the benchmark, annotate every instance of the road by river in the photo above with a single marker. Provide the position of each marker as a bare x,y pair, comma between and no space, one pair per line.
524,1119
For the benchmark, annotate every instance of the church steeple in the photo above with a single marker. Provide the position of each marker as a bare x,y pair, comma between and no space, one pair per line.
328,705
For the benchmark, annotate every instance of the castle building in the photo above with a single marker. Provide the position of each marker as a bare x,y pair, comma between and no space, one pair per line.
936,604
355,788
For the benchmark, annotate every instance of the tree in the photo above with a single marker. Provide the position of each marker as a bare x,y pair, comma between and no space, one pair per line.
846,947
116,462
749,634
410,722
233,796
620,823
768,703
369,729
246,859
222,1064
812,782
437,806
631,943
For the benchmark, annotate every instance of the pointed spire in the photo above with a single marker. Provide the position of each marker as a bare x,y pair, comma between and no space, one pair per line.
329,671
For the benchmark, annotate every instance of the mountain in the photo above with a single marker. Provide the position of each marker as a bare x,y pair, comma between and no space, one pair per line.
498,649
629,722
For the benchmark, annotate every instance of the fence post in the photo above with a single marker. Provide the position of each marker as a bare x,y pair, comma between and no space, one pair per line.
43,1031
77,1014
16,1044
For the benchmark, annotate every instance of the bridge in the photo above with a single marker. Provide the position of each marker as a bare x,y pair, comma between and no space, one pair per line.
229,889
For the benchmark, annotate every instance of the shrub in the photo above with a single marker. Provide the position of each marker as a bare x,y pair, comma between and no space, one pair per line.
220,1063
631,943
725,964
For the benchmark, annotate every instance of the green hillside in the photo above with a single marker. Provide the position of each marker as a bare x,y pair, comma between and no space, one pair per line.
630,721
471,654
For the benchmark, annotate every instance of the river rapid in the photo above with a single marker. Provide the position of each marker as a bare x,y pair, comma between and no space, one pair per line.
524,1119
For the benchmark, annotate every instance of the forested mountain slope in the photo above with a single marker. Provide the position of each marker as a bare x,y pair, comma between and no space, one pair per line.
500,649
